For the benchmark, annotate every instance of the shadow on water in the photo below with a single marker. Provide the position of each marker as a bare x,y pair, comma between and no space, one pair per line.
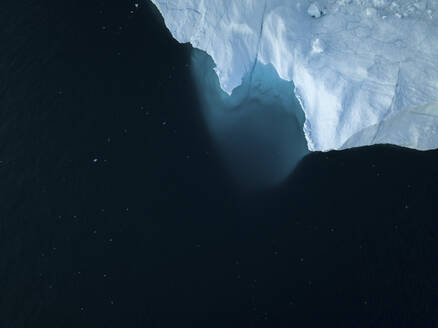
258,128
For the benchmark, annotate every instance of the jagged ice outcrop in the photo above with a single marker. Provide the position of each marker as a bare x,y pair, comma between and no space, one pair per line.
365,71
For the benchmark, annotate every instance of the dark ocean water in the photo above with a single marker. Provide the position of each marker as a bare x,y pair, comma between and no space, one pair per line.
117,211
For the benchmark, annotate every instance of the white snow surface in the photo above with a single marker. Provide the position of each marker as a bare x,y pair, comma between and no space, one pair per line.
365,71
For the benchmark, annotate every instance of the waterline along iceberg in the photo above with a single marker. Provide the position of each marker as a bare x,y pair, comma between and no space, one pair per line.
258,129
364,71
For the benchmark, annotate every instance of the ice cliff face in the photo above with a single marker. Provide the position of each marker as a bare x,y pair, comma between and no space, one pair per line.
365,71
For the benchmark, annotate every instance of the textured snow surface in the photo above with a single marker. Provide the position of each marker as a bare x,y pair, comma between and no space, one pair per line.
365,71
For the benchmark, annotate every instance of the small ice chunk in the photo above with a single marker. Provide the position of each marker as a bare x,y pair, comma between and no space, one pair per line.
371,11
314,10
317,46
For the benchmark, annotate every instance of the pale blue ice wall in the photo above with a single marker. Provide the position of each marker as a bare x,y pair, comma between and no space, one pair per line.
258,129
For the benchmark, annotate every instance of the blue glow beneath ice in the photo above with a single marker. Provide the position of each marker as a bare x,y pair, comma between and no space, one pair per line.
258,129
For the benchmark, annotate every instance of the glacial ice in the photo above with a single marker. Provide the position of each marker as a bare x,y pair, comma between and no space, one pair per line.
365,71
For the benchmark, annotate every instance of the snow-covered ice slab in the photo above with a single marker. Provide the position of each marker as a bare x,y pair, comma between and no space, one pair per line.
365,71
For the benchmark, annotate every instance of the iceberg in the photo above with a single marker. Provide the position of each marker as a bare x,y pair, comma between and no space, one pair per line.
364,71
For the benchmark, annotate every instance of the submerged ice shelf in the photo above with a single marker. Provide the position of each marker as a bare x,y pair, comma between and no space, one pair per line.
258,129
365,71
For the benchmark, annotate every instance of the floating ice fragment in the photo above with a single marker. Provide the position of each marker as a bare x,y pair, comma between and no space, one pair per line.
314,10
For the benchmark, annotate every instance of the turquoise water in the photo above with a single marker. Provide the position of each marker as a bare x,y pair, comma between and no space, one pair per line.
258,128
